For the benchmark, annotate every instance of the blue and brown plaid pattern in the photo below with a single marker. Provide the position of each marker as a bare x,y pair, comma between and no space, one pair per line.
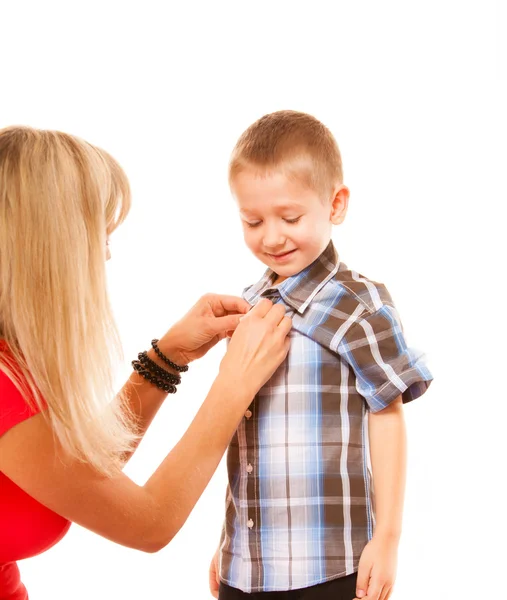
300,505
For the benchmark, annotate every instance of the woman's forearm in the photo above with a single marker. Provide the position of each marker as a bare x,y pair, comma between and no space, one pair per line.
148,516
182,477
388,457
141,398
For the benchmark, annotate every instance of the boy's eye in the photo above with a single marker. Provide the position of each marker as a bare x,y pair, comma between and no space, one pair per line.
257,223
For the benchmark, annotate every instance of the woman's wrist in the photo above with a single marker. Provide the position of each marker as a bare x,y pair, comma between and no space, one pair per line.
230,397
236,385
169,348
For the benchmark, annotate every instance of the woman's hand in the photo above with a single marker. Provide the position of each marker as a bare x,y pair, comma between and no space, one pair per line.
205,324
258,346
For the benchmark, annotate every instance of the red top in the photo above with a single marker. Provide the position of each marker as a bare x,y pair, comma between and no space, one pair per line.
27,527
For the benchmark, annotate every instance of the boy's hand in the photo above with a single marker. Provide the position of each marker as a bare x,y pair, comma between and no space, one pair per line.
214,581
377,569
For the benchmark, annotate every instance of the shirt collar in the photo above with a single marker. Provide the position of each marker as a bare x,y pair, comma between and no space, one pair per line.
300,289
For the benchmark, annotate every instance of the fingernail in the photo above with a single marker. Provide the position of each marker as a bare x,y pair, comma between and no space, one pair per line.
360,593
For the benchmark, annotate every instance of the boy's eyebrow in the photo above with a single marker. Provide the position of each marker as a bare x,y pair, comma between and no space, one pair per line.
278,207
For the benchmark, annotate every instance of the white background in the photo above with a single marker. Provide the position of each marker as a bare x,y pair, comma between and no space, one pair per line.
415,95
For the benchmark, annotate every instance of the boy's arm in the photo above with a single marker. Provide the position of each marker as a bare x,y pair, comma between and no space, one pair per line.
388,449
214,568
377,567
214,580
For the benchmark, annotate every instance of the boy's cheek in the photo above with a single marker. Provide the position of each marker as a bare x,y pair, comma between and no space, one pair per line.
252,242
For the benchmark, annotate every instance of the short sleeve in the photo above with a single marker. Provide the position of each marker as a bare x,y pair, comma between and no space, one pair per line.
13,407
375,348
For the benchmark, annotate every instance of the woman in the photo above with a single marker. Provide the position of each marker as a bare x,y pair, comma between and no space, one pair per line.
63,440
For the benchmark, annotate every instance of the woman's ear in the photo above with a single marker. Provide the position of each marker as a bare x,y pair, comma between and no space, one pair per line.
339,204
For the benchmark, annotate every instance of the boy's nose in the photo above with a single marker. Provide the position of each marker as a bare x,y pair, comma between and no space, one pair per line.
273,239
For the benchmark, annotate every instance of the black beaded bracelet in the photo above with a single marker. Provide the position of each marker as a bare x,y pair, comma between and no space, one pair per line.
159,373
180,369
160,383
152,366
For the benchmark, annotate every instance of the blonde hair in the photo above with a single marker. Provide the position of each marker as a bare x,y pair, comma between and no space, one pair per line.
295,143
60,198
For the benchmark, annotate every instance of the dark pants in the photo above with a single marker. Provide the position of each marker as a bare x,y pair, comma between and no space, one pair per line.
343,588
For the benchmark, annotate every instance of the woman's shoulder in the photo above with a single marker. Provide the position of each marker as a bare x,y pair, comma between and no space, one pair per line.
13,407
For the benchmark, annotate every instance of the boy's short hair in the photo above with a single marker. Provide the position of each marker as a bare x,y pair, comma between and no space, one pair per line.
294,142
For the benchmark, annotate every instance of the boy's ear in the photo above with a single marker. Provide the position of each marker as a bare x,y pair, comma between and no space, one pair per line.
339,204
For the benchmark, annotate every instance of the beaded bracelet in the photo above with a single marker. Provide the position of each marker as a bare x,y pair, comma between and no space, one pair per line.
180,369
158,373
152,366
160,383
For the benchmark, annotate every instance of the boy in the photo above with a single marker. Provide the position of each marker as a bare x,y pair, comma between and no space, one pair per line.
303,517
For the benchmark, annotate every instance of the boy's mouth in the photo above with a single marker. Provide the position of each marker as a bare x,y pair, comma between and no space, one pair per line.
282,256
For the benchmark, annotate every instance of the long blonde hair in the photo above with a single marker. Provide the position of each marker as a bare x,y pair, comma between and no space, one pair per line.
60,198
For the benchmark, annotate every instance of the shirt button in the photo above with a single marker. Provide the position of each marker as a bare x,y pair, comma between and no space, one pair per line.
248,414
249,468
250,523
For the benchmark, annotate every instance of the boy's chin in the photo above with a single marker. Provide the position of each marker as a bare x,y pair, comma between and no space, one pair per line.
282,274
283,271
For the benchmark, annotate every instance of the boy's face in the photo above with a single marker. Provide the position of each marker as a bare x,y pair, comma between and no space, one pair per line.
285,224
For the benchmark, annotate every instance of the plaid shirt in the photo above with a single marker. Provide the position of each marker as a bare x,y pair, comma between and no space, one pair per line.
300,506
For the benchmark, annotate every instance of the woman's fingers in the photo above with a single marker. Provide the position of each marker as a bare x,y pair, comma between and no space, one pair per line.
285,325
223,305
221,325
275,315
265,309
226,325
261,309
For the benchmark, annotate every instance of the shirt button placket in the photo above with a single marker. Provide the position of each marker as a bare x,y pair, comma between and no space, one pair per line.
249,468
